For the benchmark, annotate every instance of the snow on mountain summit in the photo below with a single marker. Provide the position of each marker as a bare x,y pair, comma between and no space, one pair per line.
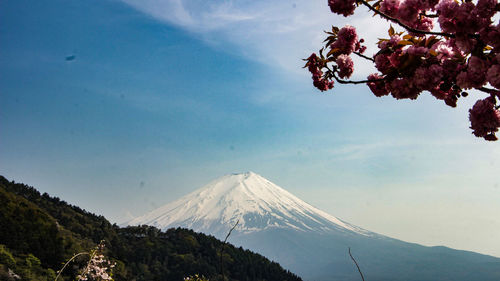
249,198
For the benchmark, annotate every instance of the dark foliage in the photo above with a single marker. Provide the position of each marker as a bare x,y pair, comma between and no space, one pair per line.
38,226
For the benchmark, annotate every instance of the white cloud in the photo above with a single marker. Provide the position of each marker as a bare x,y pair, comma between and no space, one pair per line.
278,33
172,11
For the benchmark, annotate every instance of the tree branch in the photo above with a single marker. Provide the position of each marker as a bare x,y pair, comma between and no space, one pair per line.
490,91
340,81
222,249
429,16
229,233
359,270
70,260
407,27
363,56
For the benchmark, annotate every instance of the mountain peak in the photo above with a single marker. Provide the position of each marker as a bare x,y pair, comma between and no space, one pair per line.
242,176
247,174
247,198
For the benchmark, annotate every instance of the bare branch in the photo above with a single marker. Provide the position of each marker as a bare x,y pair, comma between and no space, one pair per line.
359,270
407,27
229,233
222,249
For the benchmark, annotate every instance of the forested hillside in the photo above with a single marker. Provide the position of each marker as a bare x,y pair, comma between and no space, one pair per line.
38,233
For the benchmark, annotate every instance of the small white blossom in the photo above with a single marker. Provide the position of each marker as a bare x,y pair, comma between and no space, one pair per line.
98,267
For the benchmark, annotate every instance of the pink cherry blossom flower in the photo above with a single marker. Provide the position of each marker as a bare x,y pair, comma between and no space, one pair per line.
347,39
485,8
427,78
346,66
390,7
377,87
444,50
484,119
408,11
342,7
382,63
402,88
417,51
493,76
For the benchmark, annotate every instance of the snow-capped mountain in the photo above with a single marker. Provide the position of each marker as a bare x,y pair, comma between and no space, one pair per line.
249,199
308,241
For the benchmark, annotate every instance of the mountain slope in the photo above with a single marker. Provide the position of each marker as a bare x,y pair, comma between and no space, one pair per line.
256,203
309,241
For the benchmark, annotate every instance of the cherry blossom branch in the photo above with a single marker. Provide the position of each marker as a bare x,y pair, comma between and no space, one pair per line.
92,255
340,81
407,27
429,16
96,265
70,260
490,91
363,56
408,72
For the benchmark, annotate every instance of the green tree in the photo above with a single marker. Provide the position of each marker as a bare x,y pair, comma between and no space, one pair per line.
6,257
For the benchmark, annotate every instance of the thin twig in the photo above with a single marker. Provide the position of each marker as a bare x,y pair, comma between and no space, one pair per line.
490,91
222,249
363,278
407,27
340,81
429,15
66,264
363,56
229,233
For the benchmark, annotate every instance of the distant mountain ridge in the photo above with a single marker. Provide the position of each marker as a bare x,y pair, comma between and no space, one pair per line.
309,241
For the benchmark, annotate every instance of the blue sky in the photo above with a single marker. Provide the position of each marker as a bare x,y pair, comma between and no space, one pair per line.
165,95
